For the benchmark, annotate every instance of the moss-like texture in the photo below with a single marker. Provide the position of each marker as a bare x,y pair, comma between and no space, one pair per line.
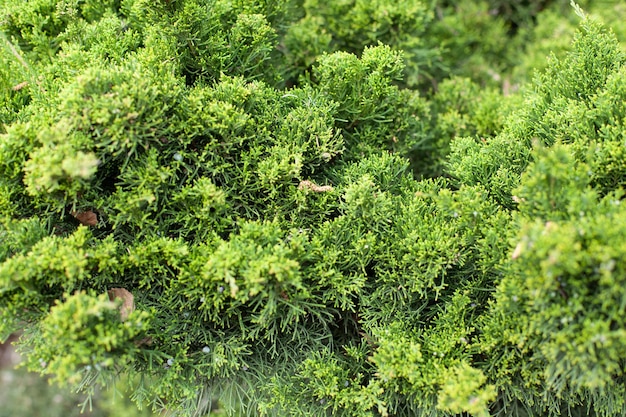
317,208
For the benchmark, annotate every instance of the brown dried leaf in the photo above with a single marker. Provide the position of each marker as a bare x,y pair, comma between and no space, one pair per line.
128,301
87,218
314,187
143,342
19,86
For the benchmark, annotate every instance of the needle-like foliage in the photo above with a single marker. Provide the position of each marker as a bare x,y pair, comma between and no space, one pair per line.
314,208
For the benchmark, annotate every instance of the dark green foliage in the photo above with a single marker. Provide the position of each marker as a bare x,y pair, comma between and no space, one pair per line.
471,41
350,26
301,230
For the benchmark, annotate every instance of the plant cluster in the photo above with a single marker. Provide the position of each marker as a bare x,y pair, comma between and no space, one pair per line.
315,208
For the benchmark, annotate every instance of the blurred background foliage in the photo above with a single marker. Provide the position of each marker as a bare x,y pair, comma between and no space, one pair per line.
27,394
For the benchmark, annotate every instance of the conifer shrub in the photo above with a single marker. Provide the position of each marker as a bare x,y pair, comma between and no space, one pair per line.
552,34
254,202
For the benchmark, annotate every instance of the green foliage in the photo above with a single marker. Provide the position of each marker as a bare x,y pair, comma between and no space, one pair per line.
351,26
12,86
470,42
554,30
32,280
566,106
36,25
562,293
295,227
462,108
88,330
25,394
369,104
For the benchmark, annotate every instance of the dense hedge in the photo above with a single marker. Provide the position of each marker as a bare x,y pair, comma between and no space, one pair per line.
317,208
